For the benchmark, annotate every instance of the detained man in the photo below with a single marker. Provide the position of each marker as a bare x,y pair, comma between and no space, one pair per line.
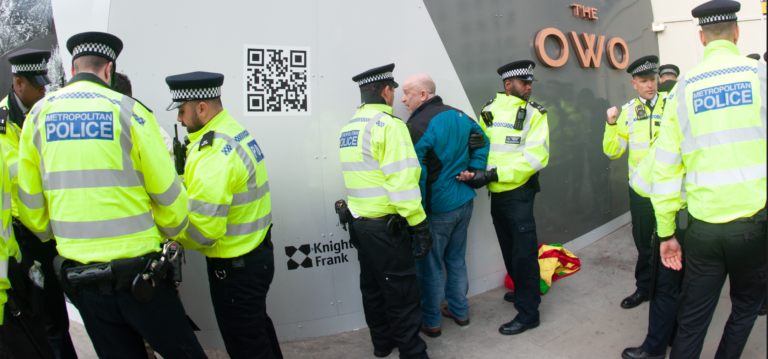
447,144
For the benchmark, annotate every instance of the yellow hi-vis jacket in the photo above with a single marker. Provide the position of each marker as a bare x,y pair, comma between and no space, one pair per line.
229,202
8,246
381,170
516,154
10,142
637,126
94,173
716,137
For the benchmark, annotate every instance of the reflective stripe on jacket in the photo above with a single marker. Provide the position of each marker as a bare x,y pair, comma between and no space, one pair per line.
10,142
229,200
94,173
8,246
516,154
380,167
716,138
630,131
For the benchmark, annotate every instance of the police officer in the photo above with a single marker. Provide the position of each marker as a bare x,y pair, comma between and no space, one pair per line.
381,173
30,76
230,214
94,175
665,282
668,72
635,126
714,132
519,135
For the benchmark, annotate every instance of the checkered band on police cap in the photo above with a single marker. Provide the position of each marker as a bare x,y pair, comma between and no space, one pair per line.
40,67
712,19
195,94
378,77
527,71
668,71
644,67
93,47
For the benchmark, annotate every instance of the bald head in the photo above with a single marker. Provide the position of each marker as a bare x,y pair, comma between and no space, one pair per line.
417,89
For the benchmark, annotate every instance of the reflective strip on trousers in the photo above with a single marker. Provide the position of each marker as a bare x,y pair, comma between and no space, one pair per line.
174,231
4,268
368,163
106,228
94,178
734,176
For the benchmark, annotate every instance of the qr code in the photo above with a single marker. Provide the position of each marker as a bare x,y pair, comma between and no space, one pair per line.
276,80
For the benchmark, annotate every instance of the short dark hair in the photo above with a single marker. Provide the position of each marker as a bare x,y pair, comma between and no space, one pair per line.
90,63
123,84
377,87
719,30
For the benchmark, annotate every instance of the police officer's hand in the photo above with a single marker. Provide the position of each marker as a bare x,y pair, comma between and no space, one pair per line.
671,254
483,178
422,239
613,113
476,141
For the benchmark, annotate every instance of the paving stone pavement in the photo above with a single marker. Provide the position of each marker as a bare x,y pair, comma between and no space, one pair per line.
580,318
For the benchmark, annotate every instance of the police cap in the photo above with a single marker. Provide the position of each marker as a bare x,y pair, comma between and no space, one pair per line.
755,57
193,86
32,64
715,11
669,69
381,73
95,43
522,70
644,66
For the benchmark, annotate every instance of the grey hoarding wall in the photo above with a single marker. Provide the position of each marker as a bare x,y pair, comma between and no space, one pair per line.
581,188
300,144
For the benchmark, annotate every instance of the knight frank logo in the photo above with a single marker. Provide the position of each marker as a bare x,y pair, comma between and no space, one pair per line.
325,254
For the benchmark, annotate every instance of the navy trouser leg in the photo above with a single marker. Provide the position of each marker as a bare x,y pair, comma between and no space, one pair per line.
643,223
512,214
117,323
240,303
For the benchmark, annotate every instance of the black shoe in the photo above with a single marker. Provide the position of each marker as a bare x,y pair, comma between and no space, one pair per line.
431,332
764,308
638,353
510,297
515,327
633,300
383,353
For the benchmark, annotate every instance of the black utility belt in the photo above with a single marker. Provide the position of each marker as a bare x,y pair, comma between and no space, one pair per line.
760,216
139,274
386,218
220,265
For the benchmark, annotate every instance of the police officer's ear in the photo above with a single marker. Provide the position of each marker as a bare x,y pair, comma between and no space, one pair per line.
202,109
107,74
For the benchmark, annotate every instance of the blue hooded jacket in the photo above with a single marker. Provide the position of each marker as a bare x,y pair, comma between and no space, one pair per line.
440,135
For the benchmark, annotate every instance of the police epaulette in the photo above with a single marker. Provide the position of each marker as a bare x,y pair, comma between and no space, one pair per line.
207,140
145,106
538,107
487,104
630,103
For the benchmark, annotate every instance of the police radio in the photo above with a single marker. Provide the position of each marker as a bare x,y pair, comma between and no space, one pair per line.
522,112
179,152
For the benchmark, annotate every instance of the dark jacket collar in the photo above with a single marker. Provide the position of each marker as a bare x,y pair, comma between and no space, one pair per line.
85,76
15,113
434,101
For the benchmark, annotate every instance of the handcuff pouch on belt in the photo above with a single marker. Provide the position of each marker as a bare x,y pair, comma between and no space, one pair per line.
343,211
139,274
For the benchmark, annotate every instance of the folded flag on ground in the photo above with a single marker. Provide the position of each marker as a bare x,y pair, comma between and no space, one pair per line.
555,262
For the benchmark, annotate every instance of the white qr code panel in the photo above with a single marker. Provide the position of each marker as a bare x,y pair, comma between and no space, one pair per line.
277,80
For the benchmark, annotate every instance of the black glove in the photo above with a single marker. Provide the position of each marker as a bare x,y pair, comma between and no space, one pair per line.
422,239
482,178
476,141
